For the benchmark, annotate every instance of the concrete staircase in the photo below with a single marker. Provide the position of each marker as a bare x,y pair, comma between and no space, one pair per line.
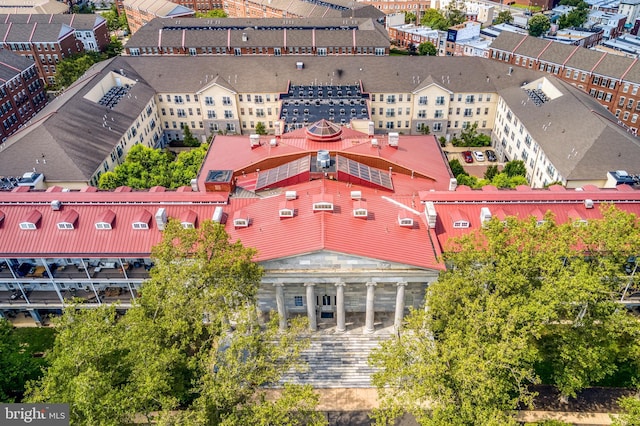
337,360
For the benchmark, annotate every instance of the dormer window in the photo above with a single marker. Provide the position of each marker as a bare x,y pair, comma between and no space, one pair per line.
68,220
240,219
188,219
322,202
142,220
360,209
286,209
105,220
460,220
32,220
404,219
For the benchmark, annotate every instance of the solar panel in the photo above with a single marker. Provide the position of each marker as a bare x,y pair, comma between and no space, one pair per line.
271,177
376,177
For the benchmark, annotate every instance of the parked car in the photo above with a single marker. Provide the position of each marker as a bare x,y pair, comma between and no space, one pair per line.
468,158
479,156
491,156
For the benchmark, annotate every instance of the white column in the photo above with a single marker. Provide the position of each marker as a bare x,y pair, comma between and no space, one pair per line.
311,306
340,326
282,311
370,312
397,323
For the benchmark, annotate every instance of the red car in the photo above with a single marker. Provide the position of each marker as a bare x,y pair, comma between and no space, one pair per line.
468,158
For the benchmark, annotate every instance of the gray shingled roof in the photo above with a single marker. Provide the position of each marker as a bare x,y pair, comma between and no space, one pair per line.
18,7
194,32
11,64
161,8
69,131
583,139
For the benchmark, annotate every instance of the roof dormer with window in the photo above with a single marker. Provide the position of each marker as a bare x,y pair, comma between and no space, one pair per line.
142,220
105,220
188,219
32,220
68,219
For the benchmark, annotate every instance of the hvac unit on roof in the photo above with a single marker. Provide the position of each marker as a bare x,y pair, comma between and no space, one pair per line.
244,37
217,215
394,138
299,65
430,213
161,218
56,205
273,142
194,185
374,142
453,184
371,128
254,140
290,195
588,203
356,195
485,215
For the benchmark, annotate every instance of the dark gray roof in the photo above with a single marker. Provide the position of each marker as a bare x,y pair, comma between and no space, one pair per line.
12,64
270,32
69,131
580,148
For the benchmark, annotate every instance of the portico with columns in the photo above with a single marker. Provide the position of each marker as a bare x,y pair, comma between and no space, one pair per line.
342,293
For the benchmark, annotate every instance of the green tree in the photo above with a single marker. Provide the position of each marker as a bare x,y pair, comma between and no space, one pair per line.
504,17
491,172
509,312
454,15
515,168
435,19
630,415
427,49
260,128
187,137
410,17
70,69
456,168
145,167
215,13
17,364
114,48
575,18
190,351
538,25
471,137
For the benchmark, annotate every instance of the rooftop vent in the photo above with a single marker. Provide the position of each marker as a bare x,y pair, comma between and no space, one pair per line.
324,160
394,138
273,142
374,142
244,37
431,214
194,185
371,128
254,140
356,195
161,218
56,205
588,203
299,65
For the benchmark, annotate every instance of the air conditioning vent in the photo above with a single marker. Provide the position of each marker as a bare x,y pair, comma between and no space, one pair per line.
430,212
290,195
56,205
161,218
588,203
217,215
485,215
356,195
394,139
254,140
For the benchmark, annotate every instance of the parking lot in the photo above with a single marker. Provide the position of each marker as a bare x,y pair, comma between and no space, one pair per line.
477,168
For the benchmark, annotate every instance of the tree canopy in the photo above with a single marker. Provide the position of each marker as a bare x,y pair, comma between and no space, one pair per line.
538,25
521,302
214,13
191,350
146,167
576,17
427,49
510,177
504,17
434,18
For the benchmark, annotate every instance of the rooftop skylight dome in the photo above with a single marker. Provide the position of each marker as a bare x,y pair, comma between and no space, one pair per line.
324,131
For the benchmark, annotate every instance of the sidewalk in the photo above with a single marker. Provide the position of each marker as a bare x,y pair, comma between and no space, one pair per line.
366,399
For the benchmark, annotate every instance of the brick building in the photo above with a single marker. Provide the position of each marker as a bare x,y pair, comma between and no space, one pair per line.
613,80
300,9
266,37
47,39
21,92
